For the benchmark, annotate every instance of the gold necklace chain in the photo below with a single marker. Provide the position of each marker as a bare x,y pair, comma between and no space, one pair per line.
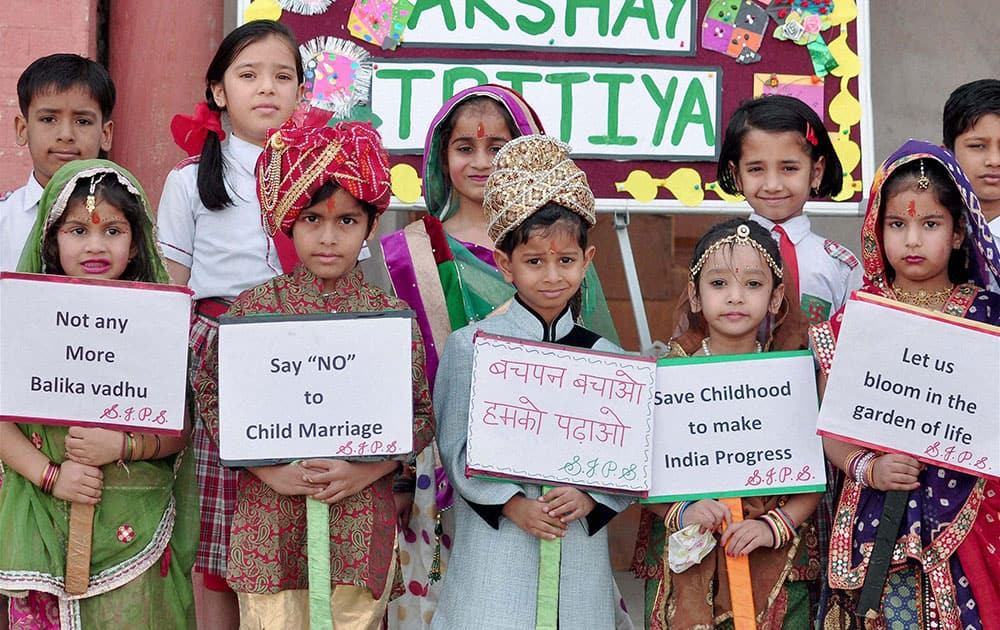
924,299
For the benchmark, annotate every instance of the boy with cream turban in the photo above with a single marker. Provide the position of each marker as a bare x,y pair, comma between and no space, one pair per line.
539,209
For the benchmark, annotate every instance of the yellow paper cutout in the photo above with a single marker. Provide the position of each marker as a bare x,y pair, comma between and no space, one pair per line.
847,150
851,186
641,185
845,110
723,195
684,184
849,65
262,10
844,11
405,183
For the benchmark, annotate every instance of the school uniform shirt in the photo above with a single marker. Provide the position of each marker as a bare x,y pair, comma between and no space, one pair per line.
226,250
267,548
492,578
828,271
18,211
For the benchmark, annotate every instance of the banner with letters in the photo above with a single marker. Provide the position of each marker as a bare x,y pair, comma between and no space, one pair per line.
912,381
331,385
735,426
93,352
553,414
641,90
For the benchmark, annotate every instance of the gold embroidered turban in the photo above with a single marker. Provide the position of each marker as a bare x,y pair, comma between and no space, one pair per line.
530,172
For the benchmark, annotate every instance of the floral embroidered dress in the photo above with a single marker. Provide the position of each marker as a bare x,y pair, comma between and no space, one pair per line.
699,597
268,540
146,524
450,284
945,568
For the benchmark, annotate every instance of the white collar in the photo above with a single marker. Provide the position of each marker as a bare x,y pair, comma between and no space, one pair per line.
32,193
797,228
243,153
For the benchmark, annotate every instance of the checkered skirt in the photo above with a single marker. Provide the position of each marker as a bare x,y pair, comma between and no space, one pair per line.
217,485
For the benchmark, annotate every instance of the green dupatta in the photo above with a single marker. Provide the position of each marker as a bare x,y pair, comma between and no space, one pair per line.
146,525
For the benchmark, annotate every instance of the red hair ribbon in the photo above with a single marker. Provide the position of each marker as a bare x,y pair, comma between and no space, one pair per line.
190,131
811,135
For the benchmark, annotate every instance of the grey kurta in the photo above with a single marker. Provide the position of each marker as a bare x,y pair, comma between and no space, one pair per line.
492,579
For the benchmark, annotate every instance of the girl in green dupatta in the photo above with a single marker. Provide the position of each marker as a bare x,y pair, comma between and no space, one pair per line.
94,221
442,266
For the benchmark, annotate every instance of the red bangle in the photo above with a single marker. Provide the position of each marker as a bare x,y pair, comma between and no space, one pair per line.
49,478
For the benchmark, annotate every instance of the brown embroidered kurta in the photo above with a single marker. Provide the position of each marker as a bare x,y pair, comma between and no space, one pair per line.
267,550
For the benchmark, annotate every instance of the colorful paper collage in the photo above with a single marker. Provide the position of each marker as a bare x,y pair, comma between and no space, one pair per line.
735,28
337,74
801,22
806,88
379,22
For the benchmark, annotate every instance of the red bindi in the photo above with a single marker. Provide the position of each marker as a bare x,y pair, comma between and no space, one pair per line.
330,204
95,218
480,130
912,208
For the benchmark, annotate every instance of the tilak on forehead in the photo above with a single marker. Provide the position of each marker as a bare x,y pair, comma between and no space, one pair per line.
912,208
480,130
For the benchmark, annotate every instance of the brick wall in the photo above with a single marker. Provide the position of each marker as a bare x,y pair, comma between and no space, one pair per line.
29,31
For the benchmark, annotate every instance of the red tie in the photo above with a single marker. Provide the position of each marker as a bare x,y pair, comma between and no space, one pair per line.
790,264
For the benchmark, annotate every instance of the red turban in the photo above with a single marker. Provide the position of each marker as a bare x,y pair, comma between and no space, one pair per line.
298,160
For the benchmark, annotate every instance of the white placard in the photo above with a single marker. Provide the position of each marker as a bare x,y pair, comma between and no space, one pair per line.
560,415
323,385
911,381
736,425
621,26
603,111
93,352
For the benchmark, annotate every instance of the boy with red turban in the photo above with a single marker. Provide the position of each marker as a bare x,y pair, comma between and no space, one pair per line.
325,187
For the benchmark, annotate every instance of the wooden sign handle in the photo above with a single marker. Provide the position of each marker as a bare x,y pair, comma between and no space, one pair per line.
81,531
740,585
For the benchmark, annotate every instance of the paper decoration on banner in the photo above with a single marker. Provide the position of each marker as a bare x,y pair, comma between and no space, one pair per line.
262,10
806,88
306,7
844,109
405,183
684,184
361,113
379,22
801,22
337,74
735,29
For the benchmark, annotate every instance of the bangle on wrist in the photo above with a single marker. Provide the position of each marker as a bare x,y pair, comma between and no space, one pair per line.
680,514
49,476
781,525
